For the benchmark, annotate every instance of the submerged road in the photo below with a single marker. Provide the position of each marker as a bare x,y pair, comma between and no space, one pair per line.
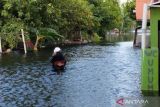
95,76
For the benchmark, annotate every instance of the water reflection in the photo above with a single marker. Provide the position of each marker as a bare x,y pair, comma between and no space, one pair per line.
95,75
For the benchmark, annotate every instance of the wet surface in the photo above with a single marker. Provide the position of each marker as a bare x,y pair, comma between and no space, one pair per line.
94,77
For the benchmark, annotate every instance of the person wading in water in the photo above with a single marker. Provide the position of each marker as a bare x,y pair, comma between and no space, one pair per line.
58,60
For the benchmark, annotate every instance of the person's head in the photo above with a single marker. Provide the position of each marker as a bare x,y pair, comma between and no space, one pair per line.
56,50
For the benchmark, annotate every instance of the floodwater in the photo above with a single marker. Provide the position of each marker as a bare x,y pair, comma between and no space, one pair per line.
95,76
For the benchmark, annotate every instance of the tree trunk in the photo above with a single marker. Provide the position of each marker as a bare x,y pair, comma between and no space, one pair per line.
0,45
37,41
36,44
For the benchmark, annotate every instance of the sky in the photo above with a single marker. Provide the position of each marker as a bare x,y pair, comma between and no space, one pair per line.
123,1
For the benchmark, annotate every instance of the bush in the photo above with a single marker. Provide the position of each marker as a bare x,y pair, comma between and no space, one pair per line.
96,38
11,32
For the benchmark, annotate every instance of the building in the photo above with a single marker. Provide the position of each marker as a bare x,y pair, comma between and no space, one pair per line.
139,8
139,16
150,75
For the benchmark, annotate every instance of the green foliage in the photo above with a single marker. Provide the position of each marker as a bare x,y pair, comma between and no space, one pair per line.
85,36
49,33
107,13
128,16
128,8
54,18
96,38
11,32
75,14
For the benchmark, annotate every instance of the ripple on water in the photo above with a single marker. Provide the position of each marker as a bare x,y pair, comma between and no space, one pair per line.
94,77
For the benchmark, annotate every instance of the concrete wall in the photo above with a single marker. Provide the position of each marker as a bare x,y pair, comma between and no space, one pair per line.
139,8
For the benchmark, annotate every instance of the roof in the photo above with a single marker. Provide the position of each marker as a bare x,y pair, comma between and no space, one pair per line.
155,4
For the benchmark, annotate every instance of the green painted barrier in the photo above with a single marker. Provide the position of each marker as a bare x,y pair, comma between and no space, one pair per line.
150,74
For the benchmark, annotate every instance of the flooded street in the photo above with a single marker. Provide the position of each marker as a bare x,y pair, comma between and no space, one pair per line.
94,77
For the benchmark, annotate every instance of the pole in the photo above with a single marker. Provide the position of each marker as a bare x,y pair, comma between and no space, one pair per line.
144,26
0,45
24,43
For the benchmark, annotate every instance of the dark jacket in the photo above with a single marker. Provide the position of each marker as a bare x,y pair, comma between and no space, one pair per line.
58,57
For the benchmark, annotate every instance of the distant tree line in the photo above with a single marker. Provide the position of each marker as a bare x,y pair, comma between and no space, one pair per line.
128,16
57,20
